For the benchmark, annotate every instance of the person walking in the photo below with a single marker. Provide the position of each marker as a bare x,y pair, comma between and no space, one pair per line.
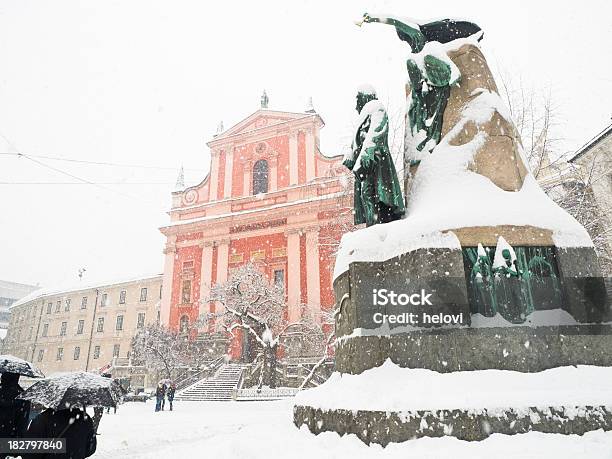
170,394
160,393
14,413
73,424
97,417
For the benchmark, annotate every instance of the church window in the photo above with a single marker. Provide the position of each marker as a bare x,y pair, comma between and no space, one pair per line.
260,177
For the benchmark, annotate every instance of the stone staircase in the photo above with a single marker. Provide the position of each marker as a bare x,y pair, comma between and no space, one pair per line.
218,388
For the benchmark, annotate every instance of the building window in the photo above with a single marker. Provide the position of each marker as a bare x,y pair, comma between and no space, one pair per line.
45,330
119,323
84,302
279,278
160,291
63,328
49,306
60,353
80,327
116,350
96,354
77,353
186,291
31,332
104,300
58,306
100,328
158,317
143,294
184,324
141,320
41,354
67,306
260,177
122,295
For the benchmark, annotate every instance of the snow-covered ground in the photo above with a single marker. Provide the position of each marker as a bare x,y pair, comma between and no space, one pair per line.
245,430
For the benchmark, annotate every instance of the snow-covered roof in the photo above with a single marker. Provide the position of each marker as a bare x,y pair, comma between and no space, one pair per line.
591,143
15,290
77,287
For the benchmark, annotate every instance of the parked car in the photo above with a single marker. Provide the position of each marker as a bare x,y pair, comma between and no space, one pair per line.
141,396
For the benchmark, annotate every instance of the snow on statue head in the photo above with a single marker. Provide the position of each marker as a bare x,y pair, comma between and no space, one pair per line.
366,89
365,93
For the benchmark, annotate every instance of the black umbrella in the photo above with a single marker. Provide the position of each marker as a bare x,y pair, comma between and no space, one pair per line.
11,364
69,389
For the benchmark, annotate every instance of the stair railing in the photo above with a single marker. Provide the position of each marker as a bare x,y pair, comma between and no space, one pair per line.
210,368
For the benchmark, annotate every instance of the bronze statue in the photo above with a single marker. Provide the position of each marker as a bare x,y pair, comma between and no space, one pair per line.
378,197
430,77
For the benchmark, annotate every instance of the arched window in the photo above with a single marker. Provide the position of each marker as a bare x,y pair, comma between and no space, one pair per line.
184,324
260,177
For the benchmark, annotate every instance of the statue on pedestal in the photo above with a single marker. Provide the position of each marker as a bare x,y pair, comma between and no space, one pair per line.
378,197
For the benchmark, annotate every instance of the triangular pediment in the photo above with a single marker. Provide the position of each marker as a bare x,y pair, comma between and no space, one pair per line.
259,120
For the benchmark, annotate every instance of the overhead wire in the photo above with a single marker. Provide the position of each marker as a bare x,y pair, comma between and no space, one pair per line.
98,163
73,176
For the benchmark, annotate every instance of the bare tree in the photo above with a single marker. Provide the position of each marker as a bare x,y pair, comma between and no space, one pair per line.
575,194
536,117
161,349
258,308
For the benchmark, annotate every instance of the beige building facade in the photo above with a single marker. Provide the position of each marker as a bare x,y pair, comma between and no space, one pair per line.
594,164
86,328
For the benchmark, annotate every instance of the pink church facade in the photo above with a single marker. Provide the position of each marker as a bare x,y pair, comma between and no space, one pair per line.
270,198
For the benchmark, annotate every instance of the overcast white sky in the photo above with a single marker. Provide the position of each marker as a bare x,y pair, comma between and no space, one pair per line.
146,83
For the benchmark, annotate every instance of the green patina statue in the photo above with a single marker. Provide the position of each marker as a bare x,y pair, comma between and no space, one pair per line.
430,76
378,197
514,287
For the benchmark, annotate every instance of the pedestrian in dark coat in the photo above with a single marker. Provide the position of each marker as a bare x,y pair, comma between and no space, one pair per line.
14,413
73,424
160,393
97,417
170,394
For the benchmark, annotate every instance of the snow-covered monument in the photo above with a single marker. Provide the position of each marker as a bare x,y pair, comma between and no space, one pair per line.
484,272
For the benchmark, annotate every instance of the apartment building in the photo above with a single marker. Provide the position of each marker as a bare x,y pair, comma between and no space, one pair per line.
82,327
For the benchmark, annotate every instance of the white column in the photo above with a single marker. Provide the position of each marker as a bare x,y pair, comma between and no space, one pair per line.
310,155
222,264
166,300
206,276
293,159
229,172
222,259
313,279
214,176
293,275
274,172
246,183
